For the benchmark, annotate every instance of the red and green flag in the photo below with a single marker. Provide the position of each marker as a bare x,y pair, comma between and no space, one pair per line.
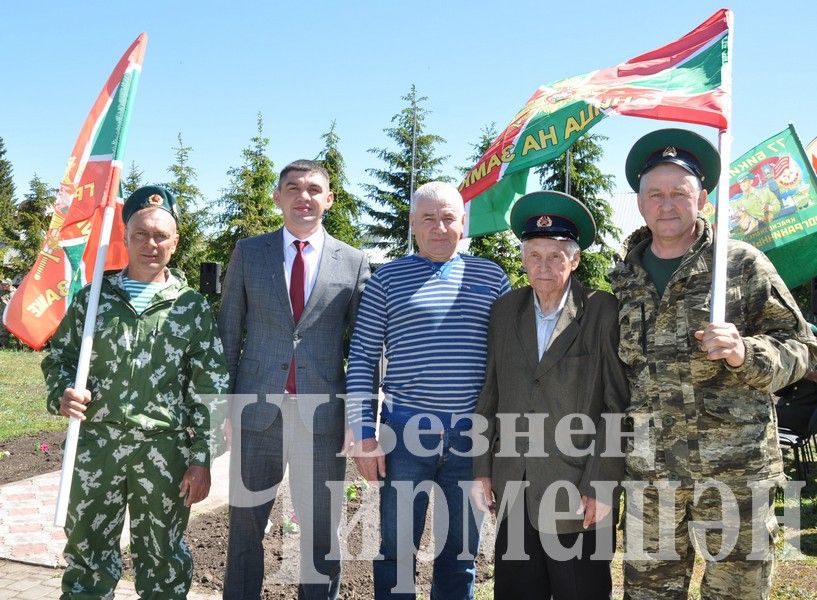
681,81
90,183
773,205
811,152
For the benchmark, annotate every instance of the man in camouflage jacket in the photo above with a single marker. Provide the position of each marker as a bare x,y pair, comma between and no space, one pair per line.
701,394
148,413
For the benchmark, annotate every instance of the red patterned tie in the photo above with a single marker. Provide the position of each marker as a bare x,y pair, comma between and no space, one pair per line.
296,297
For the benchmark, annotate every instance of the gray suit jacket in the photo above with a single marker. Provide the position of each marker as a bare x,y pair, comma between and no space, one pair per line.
579,373
260,335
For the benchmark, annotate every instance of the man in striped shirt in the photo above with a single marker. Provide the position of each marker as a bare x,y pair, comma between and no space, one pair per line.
431,310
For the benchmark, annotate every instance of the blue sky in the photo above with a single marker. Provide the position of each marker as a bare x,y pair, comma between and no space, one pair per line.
211,66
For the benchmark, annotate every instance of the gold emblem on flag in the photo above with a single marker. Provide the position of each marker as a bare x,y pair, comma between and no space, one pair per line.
544,221
156,200
670,151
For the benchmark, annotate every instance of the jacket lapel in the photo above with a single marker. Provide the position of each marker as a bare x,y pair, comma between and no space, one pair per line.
275,255
327,267
566,330
526,331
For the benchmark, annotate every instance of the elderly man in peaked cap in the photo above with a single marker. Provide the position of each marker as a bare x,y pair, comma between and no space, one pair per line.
552,357
148,422
701,393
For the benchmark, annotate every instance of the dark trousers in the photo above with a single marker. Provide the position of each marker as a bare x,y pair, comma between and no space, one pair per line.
542,577
264,455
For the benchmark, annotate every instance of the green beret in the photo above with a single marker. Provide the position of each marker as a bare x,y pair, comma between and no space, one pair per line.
149,195
553,215
690,151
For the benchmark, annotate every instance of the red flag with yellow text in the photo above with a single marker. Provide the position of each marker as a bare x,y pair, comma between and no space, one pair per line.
90,183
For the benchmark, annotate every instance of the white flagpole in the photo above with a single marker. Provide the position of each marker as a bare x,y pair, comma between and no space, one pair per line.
718,291
83,364
567,171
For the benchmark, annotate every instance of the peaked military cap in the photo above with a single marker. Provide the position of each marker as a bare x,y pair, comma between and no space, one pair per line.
553,215
687,149
149,195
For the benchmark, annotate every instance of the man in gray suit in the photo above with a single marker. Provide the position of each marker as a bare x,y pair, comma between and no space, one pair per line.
290,297
552,357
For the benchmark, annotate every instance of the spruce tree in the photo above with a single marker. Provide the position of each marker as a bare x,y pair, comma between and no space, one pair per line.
389,199
32,223
8,211
342,220
247,208
133,180
590,186
192,244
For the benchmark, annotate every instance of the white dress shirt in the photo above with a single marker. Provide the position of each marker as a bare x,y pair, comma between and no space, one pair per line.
312,258
545,324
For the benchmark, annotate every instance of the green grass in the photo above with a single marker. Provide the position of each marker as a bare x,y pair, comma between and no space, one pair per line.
22,397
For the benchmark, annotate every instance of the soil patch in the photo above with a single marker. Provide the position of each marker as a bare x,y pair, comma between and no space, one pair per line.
30,456
207,538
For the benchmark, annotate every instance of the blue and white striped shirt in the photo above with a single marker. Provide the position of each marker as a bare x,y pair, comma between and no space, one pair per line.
141,292
433,319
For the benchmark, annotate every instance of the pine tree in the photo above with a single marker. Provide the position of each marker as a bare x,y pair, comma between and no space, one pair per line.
342,220
247,206
502,247
133,181
192,244
590,186
389,204
32,223
8,211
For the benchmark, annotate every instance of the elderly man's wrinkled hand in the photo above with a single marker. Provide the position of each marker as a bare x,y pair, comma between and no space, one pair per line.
370,459
195,485
74,403
482,494
594,511
721,341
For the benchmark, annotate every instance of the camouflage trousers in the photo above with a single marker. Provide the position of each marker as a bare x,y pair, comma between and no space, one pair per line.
117,468
734,534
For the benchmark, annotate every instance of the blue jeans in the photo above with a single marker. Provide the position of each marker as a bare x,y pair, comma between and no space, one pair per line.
403,515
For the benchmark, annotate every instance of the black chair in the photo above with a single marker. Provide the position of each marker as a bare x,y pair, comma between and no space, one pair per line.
797,423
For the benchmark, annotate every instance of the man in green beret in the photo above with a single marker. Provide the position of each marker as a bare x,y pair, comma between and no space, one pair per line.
552,357
705,436
148,412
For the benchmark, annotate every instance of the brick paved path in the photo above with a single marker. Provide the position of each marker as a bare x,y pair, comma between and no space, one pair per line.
31,547
30,582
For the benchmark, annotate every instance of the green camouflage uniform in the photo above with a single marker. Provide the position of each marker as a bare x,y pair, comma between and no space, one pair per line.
697,420
149,419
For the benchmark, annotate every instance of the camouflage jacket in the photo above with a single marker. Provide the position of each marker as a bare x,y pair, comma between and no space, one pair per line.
155,371
695,418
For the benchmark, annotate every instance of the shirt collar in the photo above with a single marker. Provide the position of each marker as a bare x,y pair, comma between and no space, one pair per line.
441,270
169,279
555,313
315,240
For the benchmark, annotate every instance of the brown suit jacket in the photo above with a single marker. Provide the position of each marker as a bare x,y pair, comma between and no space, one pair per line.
579,373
